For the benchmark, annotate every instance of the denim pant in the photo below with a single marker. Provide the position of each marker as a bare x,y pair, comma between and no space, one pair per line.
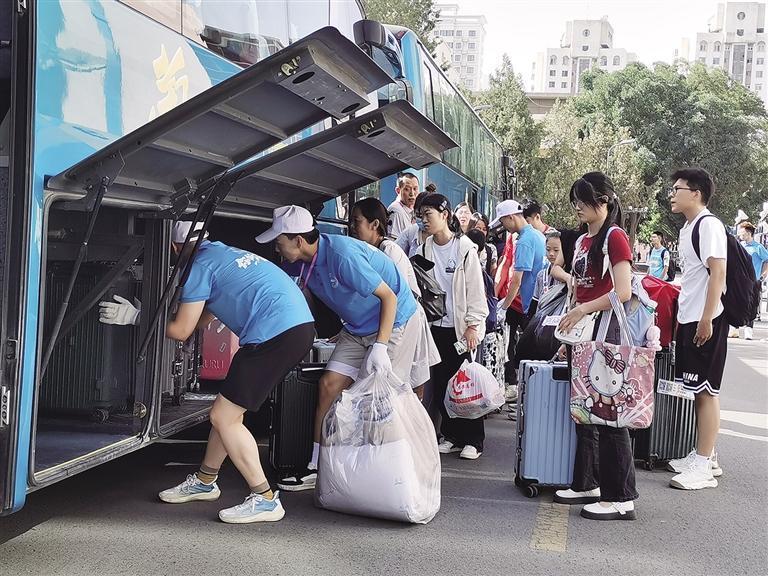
604,455
460,431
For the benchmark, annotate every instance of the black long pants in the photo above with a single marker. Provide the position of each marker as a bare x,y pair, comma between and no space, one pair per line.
459,431
517,321
604,456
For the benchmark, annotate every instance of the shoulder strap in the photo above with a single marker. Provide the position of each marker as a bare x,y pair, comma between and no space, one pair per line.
695,237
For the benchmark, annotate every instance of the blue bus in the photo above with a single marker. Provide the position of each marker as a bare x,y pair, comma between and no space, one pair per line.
475,172
120,116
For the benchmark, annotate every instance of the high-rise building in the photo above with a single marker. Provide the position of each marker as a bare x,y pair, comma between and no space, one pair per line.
462,40
736,43
585,44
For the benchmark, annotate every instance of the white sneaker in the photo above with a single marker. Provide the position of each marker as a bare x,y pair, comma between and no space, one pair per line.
447,447
680,465
745,333
569,496
256,508
695,478
470,453
305,480
191,489
615,511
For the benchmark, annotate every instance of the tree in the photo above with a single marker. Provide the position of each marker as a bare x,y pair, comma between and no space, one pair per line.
417,15
699,117
505,111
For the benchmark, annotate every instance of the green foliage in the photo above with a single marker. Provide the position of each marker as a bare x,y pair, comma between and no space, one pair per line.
508,118
417,15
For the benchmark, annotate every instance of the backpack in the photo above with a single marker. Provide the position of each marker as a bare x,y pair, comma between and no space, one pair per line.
741,300
432,295
672,268
488,259
491,321
640,308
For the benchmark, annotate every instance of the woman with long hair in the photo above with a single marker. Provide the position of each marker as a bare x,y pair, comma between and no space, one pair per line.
604,469
458,272
369,224
489,256
463,213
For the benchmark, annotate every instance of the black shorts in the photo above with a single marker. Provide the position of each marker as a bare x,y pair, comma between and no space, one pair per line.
700,368
257,368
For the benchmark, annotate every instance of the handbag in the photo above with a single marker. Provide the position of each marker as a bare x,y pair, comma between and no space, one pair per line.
583,329
432,295
612,384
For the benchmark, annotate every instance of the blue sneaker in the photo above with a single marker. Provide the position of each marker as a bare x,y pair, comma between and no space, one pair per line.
256,508
191,489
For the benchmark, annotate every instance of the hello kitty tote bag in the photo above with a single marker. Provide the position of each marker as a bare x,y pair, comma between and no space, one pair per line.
612,384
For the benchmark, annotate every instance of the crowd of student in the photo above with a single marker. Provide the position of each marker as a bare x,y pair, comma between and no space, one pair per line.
369,281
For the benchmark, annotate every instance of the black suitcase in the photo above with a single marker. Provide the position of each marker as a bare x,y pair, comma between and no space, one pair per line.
673,431
292,418
92,371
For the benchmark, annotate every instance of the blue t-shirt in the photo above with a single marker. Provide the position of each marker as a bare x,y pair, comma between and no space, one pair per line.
656,262
250,295
345,275
530,254
759,255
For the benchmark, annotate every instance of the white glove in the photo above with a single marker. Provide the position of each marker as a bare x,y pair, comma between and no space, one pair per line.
378,359
120,312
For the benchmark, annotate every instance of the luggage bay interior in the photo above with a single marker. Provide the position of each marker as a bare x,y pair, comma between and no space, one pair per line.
93,393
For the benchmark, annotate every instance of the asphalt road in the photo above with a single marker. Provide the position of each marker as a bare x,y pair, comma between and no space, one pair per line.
109,521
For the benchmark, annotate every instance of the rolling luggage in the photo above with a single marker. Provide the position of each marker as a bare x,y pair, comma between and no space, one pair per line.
546,435
673,431
292,418
219,347
92,371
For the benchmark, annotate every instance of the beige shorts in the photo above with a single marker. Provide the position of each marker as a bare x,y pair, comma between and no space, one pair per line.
411,351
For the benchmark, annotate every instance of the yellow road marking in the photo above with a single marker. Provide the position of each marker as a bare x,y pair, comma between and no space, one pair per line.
550,532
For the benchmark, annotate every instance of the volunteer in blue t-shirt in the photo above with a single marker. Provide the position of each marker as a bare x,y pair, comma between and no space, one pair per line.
268,312
759,256
370,295
530,254
659,259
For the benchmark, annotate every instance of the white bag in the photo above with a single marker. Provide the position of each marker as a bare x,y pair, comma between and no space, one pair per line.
473,391
378,454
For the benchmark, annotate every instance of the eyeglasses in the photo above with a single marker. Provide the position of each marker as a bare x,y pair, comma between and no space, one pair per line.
578,204
675,189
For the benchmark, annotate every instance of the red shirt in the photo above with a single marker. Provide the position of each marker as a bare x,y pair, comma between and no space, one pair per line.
591,283
504,272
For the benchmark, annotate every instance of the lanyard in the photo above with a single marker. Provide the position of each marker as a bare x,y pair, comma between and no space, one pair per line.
301,280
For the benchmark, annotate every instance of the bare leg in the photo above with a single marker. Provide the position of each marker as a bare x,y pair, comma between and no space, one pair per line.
330,386
707,422
238,442
215,453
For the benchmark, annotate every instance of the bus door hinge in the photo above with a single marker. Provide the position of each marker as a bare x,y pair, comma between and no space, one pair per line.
5,406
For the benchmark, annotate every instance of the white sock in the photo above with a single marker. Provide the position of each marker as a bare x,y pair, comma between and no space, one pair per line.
702,462
315,455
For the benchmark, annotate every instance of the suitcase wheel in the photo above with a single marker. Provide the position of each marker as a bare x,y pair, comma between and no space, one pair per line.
531,491
650,464
100,415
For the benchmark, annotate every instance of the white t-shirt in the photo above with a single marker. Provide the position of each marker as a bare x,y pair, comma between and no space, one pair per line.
396,254
713,244
401,218
410,240
446,260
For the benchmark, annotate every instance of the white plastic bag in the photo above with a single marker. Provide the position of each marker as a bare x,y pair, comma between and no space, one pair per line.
473,392
378,454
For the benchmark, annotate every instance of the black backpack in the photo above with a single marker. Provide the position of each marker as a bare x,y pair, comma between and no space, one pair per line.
741,300
672,268
432,296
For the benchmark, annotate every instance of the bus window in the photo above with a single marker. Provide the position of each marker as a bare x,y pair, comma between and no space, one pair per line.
429,105
167,12
244,32
306,16
344,13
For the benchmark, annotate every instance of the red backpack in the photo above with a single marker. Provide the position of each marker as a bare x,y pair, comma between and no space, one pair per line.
665,295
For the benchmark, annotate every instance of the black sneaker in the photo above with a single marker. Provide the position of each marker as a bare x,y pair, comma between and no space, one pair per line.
302,481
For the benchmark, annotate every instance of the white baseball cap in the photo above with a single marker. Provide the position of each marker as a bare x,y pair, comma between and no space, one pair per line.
181,229
506,208
288,220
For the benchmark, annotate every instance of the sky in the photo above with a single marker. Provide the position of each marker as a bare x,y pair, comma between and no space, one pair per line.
652,29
